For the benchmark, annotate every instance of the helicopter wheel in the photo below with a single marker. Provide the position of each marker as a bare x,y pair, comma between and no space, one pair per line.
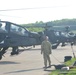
14,53
0,57
1,54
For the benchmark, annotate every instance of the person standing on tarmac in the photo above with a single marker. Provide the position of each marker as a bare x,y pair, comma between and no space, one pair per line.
46,50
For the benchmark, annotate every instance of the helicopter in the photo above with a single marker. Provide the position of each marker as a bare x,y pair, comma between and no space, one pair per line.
57,37
14,35
60,37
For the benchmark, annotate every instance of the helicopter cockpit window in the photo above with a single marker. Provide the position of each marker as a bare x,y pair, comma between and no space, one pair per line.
3,27
18,30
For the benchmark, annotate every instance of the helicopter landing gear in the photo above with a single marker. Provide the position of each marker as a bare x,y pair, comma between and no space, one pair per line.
15,51
2,52
1,55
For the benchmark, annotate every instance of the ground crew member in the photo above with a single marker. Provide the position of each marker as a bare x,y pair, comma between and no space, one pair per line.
46,48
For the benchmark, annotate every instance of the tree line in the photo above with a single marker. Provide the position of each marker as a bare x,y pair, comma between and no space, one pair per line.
60,24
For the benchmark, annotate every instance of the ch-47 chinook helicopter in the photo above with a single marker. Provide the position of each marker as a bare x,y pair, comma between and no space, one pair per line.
14,35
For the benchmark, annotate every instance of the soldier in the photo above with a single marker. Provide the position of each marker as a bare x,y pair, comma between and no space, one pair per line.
46,48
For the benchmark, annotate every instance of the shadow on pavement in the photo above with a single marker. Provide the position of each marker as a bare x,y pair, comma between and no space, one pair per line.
8,62
17,71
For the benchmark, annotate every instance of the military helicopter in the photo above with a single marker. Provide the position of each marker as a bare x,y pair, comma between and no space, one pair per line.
60,37
57,37
14,35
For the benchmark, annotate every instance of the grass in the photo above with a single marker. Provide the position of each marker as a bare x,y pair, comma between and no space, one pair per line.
72,71
70,62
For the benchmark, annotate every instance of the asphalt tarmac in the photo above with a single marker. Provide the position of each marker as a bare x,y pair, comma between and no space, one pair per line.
30,62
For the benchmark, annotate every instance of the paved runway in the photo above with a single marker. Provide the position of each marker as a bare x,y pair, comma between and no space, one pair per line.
30,62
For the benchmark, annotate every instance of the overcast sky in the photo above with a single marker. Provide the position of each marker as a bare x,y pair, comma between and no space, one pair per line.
37,10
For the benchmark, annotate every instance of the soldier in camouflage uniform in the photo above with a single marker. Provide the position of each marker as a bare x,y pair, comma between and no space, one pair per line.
46,48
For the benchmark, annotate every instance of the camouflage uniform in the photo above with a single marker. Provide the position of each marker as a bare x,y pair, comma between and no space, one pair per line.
46,48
